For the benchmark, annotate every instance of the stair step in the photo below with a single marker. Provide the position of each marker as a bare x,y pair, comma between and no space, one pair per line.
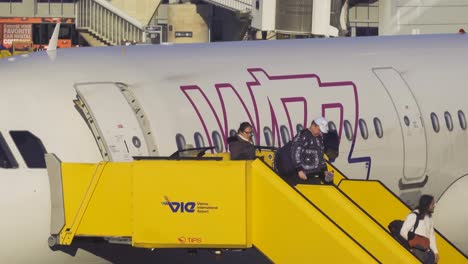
92,41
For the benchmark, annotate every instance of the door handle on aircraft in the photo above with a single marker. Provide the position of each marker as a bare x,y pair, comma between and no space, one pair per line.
406,186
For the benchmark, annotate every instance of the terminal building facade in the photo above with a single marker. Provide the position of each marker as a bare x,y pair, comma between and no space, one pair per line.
120,22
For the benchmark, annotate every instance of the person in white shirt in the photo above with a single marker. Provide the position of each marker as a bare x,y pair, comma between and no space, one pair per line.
425,228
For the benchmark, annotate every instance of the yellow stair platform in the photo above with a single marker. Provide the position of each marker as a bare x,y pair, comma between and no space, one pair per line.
383,206
216,204
357,223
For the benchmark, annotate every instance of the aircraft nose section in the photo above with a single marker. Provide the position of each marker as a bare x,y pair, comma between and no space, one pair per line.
451,214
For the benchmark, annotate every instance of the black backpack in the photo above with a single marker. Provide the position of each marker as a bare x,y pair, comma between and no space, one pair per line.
283,161
331,143
395,228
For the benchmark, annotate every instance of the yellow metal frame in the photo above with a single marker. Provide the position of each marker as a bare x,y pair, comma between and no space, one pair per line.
229,204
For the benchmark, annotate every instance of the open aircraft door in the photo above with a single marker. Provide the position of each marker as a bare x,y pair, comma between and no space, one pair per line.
412,127
118,123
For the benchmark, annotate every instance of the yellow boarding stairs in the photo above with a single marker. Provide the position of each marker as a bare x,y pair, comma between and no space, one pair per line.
216,203
380,204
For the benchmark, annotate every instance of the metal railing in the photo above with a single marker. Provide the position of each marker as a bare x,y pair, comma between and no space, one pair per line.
108,23
243,6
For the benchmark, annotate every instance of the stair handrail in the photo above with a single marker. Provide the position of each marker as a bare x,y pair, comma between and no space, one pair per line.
119,13
246,3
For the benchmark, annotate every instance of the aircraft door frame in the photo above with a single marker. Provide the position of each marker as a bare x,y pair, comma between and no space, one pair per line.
412,127
118,123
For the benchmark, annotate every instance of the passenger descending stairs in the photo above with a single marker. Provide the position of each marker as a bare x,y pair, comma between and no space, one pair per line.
376,201
235,204
101,24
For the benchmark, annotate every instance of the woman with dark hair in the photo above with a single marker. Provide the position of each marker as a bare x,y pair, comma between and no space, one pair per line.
241,145
419,226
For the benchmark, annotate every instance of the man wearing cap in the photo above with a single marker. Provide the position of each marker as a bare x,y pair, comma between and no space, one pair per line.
306,155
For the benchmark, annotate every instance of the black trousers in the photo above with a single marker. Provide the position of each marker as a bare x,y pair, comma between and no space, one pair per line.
315,178
426,257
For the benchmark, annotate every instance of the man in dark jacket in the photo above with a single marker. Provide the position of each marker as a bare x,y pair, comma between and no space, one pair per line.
302,161
241,145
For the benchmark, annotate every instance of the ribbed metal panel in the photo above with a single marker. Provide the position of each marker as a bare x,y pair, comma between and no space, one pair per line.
234,5
294,15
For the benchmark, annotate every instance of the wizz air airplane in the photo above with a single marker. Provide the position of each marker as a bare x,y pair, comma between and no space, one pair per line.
398,103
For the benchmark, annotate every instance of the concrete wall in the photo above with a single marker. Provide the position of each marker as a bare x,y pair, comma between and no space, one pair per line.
263,17
142,10
401,17
191,19
29,8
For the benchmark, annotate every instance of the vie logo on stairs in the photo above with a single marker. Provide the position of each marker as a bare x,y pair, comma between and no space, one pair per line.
182,207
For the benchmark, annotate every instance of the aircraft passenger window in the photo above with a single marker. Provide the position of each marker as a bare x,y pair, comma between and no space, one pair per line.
199,142
462,119
268,136
448,120
378,127
7,160
285,134
299,128
331,126
254,139
217,141
348,130
406,120
232,133
363,129
30,147
435,122
180,141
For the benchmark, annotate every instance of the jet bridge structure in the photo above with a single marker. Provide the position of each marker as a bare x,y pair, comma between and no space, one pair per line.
216,203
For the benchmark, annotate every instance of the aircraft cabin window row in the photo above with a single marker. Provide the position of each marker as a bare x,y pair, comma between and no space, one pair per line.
435,122
299,127
448,121
180,141
331,126
254,140
199,141
285,135
348,130
232,133
268,136
217,141
378,127
462,119
363,129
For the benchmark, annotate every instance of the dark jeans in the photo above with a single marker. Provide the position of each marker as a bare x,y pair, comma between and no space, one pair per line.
293,179
426,257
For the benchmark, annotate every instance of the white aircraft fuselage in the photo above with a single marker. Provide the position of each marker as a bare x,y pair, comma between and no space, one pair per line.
400,100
